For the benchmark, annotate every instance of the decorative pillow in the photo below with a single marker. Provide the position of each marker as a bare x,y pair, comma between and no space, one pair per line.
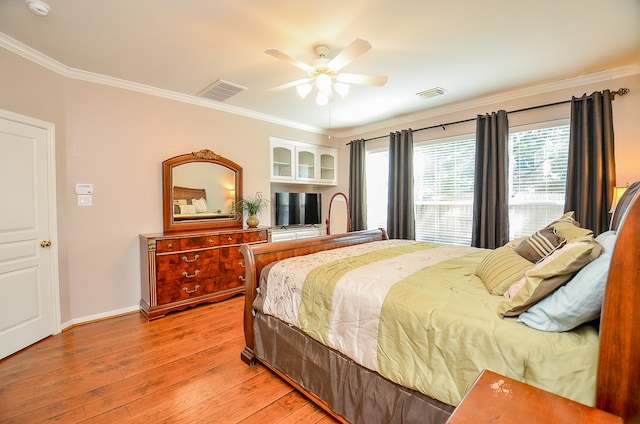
580,300
548,274
200,205
180,202
540,244
567,217
187,209
501,268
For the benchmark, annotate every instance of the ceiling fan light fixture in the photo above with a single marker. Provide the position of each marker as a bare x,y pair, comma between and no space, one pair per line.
322,99
323,82
342,89
304,89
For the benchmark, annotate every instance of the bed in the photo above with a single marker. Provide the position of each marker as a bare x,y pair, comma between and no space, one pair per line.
191,203
429,345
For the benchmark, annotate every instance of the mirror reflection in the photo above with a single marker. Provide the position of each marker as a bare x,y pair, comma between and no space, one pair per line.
199,190
202,190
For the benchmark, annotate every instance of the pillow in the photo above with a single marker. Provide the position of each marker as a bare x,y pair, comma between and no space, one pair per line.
567,217
187,209
501,268
180,201
540,244
200,205
580,300
548,274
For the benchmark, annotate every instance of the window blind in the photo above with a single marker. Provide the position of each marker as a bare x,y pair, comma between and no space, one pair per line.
537,177
443,191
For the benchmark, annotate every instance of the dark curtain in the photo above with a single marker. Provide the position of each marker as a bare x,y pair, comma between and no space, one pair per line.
400,214
490,208
591,173
357,186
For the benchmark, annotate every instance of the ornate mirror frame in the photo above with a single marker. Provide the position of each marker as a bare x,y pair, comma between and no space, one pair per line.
232,219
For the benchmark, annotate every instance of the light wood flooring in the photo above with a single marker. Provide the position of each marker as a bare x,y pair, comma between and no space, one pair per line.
183,368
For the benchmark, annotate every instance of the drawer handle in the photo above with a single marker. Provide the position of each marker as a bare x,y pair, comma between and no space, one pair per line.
197,271
241,264
195,258
195,289
241,278
229,238
170,245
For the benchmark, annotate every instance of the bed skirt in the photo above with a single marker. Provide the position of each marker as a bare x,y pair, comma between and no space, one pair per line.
352,391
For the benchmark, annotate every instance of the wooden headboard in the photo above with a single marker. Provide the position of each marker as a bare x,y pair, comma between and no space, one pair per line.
188,193
618,382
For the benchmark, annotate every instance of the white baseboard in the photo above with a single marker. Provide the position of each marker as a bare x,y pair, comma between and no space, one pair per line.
101,316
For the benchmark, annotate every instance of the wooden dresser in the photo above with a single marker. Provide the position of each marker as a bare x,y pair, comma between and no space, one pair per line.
185,269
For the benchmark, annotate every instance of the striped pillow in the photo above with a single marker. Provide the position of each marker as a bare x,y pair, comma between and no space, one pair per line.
540,244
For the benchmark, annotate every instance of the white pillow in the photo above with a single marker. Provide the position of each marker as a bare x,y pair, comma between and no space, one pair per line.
578,301
200,205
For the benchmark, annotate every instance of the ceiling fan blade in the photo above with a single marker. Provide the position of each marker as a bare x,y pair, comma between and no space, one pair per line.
353,50
283,56
290,84
378,80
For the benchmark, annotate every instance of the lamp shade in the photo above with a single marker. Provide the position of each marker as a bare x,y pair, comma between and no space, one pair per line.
617,194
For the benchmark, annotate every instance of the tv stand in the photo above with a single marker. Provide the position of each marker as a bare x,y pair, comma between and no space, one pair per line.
295,232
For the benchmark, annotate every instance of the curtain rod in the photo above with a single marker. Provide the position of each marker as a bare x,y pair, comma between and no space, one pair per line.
619,92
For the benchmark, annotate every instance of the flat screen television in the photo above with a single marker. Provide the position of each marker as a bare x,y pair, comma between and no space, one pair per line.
298,209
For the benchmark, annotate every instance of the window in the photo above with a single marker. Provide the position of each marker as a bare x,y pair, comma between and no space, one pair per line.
537,176
443,190
443,183
377,175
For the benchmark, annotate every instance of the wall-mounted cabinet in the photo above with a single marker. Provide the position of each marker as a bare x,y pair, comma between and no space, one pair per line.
302,163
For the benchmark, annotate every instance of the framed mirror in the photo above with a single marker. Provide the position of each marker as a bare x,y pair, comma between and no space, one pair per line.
199,191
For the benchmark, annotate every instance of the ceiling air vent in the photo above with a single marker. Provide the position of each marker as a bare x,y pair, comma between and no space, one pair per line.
221,90
427,94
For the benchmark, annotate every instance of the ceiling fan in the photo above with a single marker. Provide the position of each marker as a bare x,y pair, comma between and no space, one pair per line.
325,73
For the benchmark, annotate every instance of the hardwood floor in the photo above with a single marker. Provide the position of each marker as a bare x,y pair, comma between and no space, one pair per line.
183,368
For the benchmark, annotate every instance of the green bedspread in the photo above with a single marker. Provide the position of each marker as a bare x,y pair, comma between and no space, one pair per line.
416,313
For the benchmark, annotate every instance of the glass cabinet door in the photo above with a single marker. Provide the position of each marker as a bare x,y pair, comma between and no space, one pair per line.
306,164
328,167
281,162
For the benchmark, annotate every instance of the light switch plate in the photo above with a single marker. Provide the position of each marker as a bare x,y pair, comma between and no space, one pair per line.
84,199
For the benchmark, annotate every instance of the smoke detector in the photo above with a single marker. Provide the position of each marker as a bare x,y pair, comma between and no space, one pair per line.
38,7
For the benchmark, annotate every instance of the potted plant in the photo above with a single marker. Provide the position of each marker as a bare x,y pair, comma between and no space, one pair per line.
253,205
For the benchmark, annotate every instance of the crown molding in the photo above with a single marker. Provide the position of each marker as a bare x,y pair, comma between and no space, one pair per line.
78,74
591,78
68,72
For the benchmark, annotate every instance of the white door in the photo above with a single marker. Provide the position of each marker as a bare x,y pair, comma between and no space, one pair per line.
28,270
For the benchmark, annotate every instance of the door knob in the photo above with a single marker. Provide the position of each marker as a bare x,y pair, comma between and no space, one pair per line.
45,243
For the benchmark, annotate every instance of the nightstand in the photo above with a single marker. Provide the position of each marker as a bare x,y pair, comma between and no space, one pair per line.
497,399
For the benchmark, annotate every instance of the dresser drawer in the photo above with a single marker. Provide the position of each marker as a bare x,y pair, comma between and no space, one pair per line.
203,242
255,236
230,238
167,245
187,265
186,243
180,289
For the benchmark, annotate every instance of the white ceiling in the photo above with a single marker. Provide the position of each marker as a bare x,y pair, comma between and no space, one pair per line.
470,48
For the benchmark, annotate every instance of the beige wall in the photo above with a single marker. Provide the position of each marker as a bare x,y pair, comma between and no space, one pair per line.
116,140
